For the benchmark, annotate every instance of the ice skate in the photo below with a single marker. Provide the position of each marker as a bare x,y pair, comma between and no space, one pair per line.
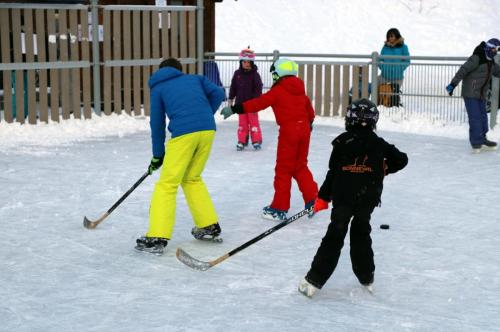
476,148
367,282
489,145
240,146
306,288
153,245
257,146
486,146
209,233
308,205
272,214
369,287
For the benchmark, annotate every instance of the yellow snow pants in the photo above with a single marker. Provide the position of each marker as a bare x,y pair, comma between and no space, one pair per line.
184,161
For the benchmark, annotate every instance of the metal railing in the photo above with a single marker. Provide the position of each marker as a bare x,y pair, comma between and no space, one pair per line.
59,61
329,77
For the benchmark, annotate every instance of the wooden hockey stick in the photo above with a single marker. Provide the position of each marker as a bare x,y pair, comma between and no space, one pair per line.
197,264
89,224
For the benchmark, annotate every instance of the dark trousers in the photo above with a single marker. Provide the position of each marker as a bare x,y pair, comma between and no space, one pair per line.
478,120
328,253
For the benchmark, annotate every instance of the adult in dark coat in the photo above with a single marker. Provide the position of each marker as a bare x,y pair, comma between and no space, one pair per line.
476,74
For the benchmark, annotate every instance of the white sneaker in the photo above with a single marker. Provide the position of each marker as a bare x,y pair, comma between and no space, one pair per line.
306,288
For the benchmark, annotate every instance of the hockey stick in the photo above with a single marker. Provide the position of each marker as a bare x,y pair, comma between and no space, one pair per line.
196,264
93,224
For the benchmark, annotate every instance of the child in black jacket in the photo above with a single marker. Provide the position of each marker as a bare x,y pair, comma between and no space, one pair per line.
358,163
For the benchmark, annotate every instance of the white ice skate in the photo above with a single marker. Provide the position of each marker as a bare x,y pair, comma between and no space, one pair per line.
306,288
369,288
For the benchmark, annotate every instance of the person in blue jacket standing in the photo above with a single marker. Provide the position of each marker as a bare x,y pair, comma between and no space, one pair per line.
392,70
189,102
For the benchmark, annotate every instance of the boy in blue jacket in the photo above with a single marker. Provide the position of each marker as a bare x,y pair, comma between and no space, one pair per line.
189,102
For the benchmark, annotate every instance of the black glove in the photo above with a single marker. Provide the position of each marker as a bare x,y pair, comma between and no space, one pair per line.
155,163
238,108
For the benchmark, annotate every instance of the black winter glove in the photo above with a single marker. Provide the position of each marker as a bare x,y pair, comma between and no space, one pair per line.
238,108
155,163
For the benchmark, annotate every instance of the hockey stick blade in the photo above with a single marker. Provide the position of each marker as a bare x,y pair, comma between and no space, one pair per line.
196,264
89,224
192,262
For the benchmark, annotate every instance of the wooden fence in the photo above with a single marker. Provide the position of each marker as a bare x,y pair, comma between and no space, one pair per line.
329,86
133,41
47,67
45,62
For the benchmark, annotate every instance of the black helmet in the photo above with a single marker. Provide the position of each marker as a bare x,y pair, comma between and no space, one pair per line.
361,113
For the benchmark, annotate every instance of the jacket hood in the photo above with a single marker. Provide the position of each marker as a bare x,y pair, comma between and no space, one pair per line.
162,75
479,51
292,84
397,43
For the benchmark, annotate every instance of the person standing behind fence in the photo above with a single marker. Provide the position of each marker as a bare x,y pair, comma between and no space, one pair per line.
189,102
475,75
392,70
246,84
211,71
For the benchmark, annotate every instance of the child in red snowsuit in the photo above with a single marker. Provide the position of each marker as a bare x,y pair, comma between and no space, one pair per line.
246,84
294,115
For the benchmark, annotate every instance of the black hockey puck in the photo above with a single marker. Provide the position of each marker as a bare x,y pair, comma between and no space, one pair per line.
384,226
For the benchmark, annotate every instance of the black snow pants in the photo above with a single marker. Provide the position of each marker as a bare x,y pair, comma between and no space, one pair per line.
328,253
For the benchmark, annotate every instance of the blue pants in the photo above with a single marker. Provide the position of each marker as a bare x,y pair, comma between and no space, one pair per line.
478,120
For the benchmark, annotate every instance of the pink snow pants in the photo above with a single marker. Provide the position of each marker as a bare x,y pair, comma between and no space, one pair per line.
248,125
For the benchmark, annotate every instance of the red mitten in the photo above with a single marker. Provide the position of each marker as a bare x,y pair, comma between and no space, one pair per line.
319,205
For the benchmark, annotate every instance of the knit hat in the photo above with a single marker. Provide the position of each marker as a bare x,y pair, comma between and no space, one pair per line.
491,48
247,54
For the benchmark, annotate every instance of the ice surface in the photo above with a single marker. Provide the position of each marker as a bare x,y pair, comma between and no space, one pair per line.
438,267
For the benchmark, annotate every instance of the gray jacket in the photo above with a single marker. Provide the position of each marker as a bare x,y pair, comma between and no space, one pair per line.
476,74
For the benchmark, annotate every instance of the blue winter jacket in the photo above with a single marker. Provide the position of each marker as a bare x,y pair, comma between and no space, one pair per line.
189,102
393,69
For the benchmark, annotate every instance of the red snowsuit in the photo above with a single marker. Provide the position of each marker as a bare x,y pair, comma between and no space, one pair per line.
294,115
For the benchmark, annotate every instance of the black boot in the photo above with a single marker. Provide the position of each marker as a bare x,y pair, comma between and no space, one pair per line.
489,144
154,245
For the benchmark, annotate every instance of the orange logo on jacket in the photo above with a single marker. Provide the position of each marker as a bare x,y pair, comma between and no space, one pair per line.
355,168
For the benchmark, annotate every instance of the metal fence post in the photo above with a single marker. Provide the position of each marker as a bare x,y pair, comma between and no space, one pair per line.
199,37
374,95
276,55
95,57
495,91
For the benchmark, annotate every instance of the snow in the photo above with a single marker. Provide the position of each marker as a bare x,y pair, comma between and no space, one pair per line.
437,267
430,27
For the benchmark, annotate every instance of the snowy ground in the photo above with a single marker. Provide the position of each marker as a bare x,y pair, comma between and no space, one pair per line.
430,27
438,266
